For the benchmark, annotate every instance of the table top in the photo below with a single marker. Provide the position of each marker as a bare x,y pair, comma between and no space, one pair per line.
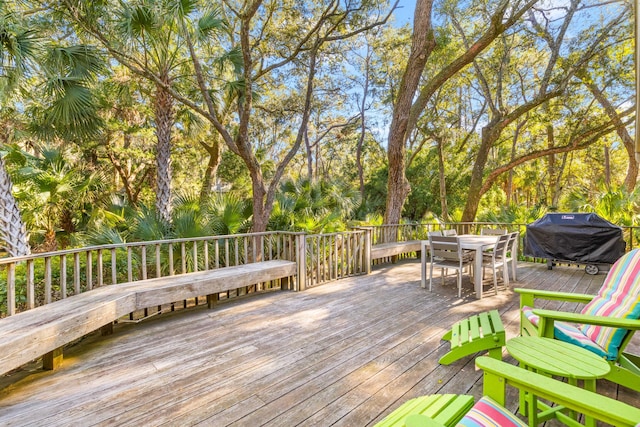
471,241
557,358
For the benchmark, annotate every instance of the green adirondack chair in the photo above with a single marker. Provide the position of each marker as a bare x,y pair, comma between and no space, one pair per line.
604,326
459,410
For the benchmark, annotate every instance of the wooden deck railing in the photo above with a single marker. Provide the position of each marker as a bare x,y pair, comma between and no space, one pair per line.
404,232
38,279
30,281
336,255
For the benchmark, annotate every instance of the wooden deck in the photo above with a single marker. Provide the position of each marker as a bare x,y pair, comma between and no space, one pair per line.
345,353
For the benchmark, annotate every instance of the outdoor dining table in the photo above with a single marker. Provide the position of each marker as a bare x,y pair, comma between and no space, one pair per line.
474,242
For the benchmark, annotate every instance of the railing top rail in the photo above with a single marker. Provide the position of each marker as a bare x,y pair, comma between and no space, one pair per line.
337,233
437,223
138,244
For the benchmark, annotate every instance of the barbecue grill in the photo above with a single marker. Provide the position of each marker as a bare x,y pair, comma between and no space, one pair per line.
580,238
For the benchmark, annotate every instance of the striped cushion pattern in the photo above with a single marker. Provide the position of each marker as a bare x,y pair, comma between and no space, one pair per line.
618,298
568,333
487,413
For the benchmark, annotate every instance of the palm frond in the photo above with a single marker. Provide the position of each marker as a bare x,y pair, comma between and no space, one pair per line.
233,57
79,62
211,23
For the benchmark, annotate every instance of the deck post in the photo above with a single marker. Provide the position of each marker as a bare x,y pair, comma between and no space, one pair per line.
301,260
367,249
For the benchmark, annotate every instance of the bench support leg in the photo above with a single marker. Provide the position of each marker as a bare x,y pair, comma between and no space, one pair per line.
107,329
285,284
52,360
211,300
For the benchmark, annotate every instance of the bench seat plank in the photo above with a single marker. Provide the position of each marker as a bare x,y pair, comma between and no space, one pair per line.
167,289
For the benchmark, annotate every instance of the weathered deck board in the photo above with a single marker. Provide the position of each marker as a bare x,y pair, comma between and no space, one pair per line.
345,353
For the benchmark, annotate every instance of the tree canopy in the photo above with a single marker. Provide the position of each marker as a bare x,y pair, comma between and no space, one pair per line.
134,119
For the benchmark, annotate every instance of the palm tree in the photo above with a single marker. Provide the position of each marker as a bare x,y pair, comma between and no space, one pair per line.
63,108
59,193
18,46
150,29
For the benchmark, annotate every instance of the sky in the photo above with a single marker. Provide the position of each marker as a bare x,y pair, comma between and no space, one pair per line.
404,12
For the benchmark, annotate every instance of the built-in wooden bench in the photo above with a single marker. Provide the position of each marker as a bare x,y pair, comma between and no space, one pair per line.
384,250
46,329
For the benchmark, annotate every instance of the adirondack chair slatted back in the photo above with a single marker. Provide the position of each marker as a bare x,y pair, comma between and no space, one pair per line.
619,297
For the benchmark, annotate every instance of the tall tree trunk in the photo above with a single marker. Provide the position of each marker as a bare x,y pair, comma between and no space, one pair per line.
211,173
443,184
13,233
309,148
164,116
475,186
556,189
363,124
551,164
632,167
607,167
422,44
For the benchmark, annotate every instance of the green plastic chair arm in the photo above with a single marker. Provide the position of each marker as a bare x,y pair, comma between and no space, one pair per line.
551,295
497,373
564,316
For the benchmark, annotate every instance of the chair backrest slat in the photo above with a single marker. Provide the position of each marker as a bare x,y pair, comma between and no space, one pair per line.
445,247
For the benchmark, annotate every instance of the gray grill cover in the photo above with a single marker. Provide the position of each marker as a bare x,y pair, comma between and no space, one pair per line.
580,237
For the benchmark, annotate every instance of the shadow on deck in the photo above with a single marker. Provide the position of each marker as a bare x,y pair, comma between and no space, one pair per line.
345,353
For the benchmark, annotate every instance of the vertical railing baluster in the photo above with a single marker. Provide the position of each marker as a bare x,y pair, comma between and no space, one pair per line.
318,264
226,252
236,250
89,269
329,256
129,264
183,254
47,280
31,286
260,254
143,261
301,258
11,289
172,269
195,256
114,267
158,261
205,254
254,249
99,266
63,276
76,273
216,252
336,263
349,251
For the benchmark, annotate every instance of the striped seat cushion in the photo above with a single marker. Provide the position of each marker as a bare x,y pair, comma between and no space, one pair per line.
487,413
568,333
619,298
